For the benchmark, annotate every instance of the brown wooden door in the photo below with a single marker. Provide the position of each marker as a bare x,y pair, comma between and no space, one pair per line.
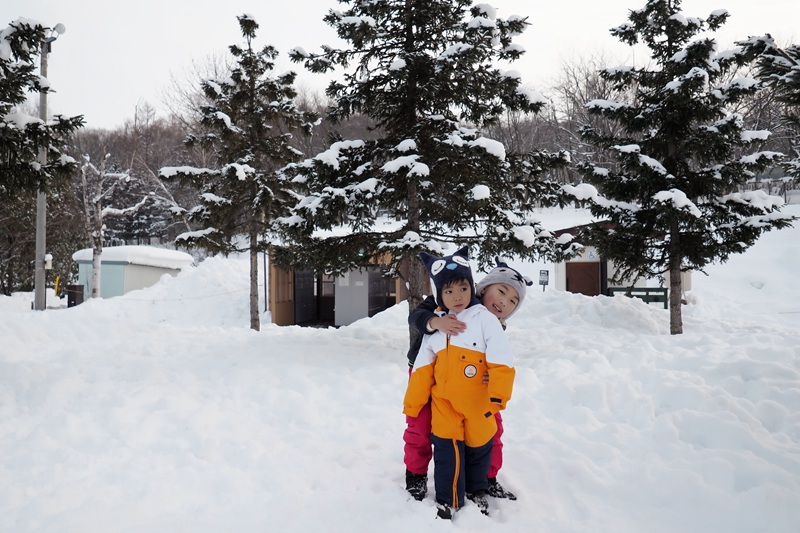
584,278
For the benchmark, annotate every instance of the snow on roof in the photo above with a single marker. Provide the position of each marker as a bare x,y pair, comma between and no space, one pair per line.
139,255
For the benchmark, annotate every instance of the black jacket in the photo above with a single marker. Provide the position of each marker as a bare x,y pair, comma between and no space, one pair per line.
418,319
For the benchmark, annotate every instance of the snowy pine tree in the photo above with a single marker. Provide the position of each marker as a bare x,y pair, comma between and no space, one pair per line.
21,135
249,126
673,199
425,71
780,68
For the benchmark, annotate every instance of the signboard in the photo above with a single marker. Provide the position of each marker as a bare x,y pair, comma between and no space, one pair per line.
544,278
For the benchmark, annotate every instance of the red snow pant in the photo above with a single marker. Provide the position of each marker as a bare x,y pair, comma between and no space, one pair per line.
418,446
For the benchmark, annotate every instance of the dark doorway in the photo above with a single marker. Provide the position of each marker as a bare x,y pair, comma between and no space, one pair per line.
305,303
326,299
381,291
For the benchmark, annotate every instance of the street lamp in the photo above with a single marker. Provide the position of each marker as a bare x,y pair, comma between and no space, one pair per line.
40,279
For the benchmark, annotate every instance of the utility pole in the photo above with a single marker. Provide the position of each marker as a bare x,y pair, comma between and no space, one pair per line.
40,278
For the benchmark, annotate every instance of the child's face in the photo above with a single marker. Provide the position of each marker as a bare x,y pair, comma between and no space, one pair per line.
501,299
456,295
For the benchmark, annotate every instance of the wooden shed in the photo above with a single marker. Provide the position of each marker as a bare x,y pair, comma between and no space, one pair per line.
308,298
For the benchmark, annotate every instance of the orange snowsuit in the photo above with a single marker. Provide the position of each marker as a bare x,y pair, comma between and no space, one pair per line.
450,372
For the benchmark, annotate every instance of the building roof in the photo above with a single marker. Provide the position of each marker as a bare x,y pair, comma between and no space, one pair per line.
138,255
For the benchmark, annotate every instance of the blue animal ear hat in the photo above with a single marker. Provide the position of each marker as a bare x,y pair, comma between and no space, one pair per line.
449,268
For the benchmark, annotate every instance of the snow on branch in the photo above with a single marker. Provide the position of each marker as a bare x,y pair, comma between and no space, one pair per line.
585,192
111,211
299,51
224,118
406,146
357,21
211,198
734,120
648,161
454,50
410,240
407,161
526,234
644,160
481,22
729,54
679,201
758,199
627,148
20,120
242,171
480,192
749,136
212,84
696,73
533,97
193,235
486,10
171,172
618,70
761,158
605,105
332,155
743,82
369,185
689,22
493,147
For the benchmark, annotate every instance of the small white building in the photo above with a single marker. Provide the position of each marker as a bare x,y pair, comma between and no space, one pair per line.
590,274
128,268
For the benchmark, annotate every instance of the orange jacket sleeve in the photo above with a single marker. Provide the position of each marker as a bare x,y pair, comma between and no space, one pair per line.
420,383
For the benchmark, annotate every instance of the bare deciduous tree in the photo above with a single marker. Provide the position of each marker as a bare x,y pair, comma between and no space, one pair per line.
97,185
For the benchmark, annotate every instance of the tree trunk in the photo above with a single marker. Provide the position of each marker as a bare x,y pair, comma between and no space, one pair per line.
675,284
255,323
97,252
418,285
417,275
675,292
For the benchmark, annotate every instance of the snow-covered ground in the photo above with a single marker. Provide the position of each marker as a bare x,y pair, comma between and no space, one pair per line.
160,411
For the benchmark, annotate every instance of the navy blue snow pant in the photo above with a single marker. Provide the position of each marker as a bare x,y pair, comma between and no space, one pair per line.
458,468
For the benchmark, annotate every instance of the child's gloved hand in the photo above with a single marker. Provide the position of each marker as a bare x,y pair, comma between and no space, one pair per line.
492,410
447,324
495,406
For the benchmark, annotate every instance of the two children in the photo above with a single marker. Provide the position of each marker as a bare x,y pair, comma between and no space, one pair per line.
449,370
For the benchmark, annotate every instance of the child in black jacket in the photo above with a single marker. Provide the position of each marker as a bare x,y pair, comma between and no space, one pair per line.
501,291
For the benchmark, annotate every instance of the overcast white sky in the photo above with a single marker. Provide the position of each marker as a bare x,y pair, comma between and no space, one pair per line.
115,55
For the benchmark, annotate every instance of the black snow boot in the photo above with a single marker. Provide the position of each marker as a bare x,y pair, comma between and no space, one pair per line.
496,490
444,511
417,485
481,500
